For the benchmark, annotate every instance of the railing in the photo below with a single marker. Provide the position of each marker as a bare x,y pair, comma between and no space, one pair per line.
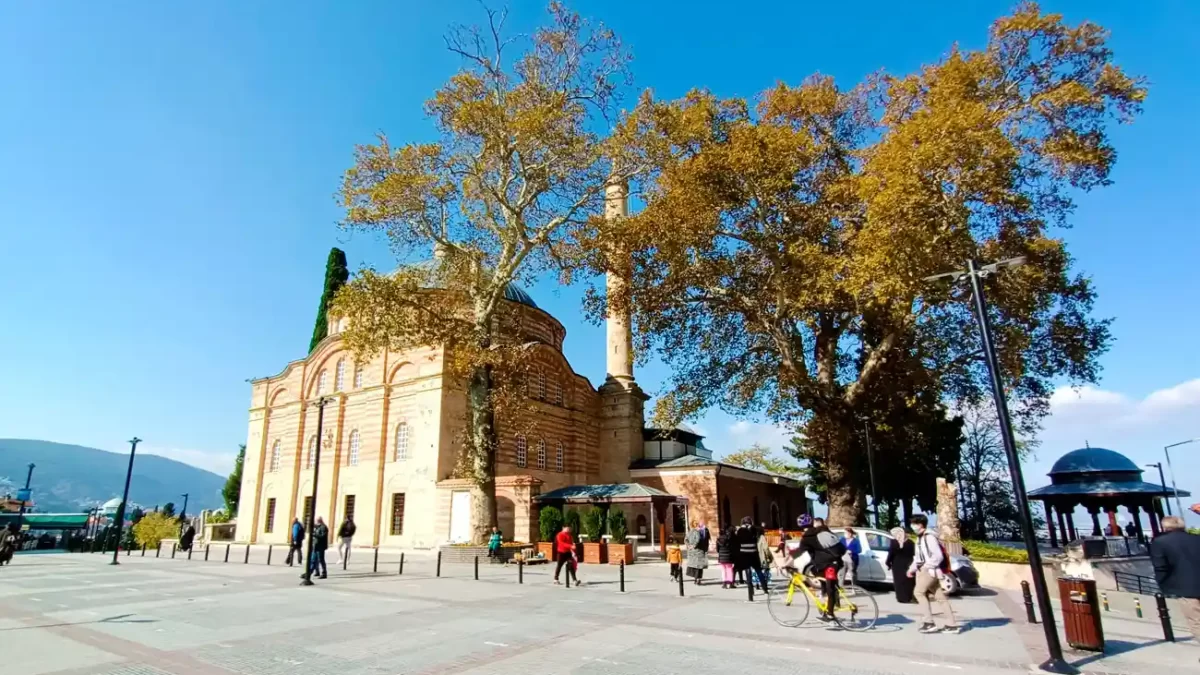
1135,583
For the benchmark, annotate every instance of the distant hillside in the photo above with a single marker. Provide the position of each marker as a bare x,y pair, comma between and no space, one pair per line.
74,478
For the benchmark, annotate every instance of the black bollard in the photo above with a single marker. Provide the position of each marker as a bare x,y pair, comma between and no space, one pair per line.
158,549
128,552
1029,613
439,563
143,550
375,565
226,552
206,553
173,547
401,563
568,574
1165,616
749,585
190,549
270,547
681,585
345,559
622,576
476,568
521,571
246,560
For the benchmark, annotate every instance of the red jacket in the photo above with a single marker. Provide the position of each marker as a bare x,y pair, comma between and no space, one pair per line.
563,542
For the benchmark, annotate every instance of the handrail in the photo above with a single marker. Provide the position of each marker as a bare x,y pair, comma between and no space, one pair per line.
1135,583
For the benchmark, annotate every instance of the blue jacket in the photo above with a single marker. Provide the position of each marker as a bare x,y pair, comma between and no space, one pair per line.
854,546
297,533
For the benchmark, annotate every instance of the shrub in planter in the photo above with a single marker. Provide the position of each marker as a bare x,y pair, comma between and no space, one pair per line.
619,548
593,524
550,521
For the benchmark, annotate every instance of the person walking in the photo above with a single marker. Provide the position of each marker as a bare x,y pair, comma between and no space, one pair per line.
345,535
927,569
725,557
189,535
1175,555
853,550
494,542
746,557
697,554
564,548
296,543
899,558
675,558
320,542
765,559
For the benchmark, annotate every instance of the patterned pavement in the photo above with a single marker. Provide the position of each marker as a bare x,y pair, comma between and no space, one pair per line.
76,615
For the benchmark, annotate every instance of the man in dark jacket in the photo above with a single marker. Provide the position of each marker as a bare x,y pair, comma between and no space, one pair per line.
1176,557
320,542
825,550
345,536
296,543
745,557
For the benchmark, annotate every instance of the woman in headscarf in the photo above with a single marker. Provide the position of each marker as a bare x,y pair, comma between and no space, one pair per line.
697,553
899,558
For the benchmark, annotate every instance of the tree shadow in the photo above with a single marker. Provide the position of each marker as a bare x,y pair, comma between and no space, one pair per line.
1114,648
120,618
972,624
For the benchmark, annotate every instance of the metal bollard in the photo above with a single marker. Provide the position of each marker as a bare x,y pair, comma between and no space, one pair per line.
439,564
270,548
246,560
128,552
173,547
375,565
345,559
143,550
622,576
1104,601
158,549
520,570
190,549
226,552
681,585
749,585
206,552
476,568
1164,615
1137,607
1029,614
401,563
568,574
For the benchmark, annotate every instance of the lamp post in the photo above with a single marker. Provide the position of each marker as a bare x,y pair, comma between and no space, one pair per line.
1171,469
24,497
124,499
1163,482
311,517
871,468
1056,663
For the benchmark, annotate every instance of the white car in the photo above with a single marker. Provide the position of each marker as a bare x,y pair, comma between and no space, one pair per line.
872,559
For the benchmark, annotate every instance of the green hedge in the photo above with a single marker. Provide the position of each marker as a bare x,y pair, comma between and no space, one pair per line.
982,551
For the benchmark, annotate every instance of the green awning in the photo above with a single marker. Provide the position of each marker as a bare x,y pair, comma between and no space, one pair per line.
47,521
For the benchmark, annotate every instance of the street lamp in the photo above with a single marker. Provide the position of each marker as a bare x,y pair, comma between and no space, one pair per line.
311,517
1163,482
871,469
124,499
183,514
1174,489
1056,663
24,495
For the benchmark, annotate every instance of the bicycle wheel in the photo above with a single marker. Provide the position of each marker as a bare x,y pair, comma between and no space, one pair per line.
789,606
857,610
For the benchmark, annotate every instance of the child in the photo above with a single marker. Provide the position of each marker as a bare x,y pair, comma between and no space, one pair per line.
675,557
494,543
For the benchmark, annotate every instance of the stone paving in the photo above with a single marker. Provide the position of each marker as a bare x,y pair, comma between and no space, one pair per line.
74,614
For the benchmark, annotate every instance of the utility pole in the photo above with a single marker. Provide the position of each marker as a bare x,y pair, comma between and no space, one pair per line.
1162,480
183,514
311,517
1056,663
124,499
871,467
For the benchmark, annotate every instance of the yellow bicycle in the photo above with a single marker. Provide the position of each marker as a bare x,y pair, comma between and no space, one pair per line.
853,608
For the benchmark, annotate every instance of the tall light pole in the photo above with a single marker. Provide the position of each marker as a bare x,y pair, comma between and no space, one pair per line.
1171,469
24,495
310,517
124,499
1163,482
871,469
1056,663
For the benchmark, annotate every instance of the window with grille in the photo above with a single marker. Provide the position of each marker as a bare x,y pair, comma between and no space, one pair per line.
521,451
310,458
398,513
354,443
541,454
558,458
270,526
556,392
401,441
539,385
339,379
308,513
276,449
321,380
348,506
358,376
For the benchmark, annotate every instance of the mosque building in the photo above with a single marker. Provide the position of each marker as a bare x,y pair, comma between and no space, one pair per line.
391,440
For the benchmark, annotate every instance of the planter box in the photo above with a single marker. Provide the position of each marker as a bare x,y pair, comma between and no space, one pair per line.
546,548
596,554
620,552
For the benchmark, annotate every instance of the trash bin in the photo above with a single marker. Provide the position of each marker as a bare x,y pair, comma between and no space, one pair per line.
1081,613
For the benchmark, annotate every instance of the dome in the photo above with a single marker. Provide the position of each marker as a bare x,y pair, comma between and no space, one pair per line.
515,293
111,505
1093,460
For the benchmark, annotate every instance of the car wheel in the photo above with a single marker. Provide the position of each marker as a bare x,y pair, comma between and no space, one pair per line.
950,584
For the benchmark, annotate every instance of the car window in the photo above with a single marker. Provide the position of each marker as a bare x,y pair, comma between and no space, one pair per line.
878,542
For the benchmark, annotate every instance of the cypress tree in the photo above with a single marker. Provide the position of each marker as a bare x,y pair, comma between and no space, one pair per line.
336,275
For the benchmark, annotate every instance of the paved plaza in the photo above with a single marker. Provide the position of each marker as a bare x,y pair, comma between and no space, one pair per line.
75,614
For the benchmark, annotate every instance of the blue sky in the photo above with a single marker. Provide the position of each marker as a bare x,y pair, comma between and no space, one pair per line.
167,175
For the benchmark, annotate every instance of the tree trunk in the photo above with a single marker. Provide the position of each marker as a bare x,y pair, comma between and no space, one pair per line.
831,437
483,455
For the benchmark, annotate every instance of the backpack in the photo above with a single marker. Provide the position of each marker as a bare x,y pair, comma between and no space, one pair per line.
944,566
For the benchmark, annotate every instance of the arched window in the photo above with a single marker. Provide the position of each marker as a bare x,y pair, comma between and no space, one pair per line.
321,380
556,394
310,458
276,448
521,451
541,454
339,379
358,376
539,385
559,460
354,443
401,450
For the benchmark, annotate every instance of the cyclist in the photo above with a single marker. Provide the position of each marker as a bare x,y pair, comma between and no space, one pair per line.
825,550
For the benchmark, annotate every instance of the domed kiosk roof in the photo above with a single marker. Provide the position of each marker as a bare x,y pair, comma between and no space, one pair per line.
1093,460
515,293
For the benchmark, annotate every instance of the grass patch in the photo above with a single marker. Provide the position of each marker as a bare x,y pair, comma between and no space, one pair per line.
985,552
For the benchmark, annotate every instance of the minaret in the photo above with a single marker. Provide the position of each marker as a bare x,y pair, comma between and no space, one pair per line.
623,402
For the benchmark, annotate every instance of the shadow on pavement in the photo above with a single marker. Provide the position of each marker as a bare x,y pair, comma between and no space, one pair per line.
120,618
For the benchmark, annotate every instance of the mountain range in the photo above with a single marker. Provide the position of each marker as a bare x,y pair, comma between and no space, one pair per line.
72,478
